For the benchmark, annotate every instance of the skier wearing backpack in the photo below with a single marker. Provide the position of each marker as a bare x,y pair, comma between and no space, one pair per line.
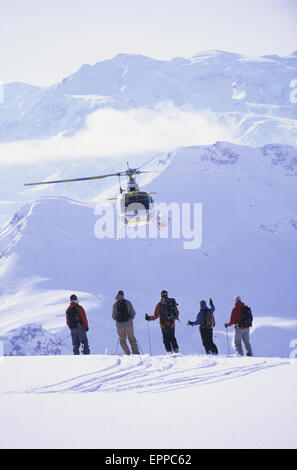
241,317
205,320
166,310
123,313
76,320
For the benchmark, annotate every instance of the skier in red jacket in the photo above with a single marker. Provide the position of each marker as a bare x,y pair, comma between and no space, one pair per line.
242,333
77,321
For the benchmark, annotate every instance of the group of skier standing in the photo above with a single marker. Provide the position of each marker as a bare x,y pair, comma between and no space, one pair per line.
167,312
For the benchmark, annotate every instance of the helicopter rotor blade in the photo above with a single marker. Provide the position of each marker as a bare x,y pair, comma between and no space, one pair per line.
148,161
188,169
70,180
160,171
172,169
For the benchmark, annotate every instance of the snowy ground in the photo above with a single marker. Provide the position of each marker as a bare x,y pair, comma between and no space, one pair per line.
148,402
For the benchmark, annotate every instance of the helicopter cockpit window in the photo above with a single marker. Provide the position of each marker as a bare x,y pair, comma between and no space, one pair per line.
141,201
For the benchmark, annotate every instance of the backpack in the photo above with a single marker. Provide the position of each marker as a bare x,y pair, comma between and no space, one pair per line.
122,311
72,314
209,319
246,317
169,312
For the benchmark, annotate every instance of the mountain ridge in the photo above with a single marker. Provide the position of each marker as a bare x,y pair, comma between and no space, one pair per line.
235,88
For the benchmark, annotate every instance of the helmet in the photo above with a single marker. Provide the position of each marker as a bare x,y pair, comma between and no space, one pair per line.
164,293
73,297
237,298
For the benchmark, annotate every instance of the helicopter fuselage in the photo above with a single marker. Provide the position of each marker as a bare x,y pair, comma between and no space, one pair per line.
135,208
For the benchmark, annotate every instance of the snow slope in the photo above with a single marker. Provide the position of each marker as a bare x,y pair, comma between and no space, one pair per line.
144,402
252,95
49,249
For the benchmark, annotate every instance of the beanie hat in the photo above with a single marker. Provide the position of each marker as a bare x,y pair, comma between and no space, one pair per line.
120,292
237,298
73,297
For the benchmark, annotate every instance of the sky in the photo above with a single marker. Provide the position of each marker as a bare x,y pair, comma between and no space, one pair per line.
41,42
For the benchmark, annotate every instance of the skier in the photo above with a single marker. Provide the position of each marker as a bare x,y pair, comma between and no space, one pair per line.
77,321
242,328
166,309
206,322
123,313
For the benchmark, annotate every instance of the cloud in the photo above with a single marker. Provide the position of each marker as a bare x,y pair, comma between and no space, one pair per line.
278,322
111,132
8,203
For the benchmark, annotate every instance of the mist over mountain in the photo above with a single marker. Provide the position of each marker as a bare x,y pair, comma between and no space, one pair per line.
251,95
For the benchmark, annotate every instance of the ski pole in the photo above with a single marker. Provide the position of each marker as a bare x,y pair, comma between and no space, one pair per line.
149,339
56,344
227,342
116,348
139,347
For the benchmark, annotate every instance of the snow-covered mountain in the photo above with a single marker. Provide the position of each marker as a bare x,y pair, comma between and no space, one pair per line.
249,228
250,95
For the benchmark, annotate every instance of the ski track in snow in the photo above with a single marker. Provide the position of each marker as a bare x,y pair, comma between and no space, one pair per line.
146,374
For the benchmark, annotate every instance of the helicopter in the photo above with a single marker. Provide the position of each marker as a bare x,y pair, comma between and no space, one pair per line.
134,207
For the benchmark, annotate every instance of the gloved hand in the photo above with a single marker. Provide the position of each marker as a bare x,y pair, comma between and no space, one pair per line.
210,302
225,325
147,317
190,323
87,328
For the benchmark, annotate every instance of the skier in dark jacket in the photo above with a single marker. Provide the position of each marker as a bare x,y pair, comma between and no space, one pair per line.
167,325
123,313
77,321
205,327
